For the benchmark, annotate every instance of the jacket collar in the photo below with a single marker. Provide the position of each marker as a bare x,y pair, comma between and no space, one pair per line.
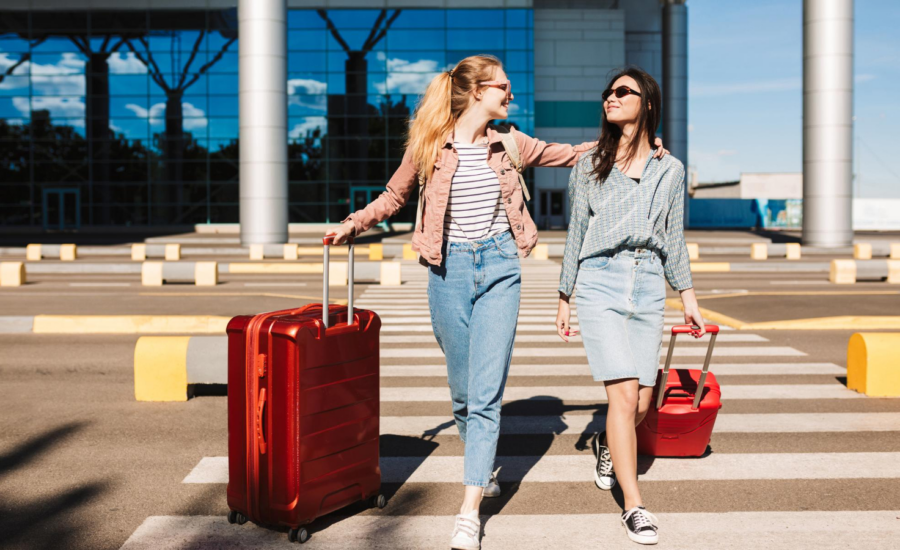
492,134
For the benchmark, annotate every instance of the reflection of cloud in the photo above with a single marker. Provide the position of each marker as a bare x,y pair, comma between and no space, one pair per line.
300,130
65,77
59,107
313,90
125,63
306,86
193,117
405,77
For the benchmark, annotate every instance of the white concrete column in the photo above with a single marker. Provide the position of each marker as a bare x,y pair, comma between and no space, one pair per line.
827,123
262,92
675,84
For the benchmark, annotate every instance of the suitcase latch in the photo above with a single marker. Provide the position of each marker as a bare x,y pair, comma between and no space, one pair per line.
261,365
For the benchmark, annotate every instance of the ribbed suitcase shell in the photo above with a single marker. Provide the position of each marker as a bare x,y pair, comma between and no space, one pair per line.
303,411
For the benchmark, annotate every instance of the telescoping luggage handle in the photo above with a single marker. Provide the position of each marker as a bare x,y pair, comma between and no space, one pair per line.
713,330
328,241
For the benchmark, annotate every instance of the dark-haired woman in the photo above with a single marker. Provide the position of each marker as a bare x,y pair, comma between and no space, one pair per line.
626,238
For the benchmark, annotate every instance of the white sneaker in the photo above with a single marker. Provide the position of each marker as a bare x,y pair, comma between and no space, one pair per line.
493,488
604,476
641,525
466,532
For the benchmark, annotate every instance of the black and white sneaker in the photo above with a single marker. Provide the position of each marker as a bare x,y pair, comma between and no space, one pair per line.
493,488
604,476
641,525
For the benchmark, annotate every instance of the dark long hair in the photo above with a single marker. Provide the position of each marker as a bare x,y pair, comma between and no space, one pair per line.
648,121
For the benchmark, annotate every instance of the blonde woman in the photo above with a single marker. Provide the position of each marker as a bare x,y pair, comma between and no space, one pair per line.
474,229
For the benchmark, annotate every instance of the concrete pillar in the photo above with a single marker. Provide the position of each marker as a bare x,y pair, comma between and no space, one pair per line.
675,85
262,92
827,122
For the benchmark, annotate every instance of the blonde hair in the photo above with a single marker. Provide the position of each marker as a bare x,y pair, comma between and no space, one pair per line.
447,97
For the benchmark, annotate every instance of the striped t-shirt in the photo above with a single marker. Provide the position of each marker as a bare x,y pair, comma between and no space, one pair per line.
474,210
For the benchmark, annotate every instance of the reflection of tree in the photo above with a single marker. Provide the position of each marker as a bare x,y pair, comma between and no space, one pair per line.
174,140
347,126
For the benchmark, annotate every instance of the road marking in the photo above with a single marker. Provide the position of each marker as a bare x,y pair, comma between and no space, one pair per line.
89,285
579,351
276,284
553,338
579,468
756,369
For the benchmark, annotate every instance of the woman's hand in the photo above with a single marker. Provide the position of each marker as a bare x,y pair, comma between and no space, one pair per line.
660,152
563,328
345,230
692,314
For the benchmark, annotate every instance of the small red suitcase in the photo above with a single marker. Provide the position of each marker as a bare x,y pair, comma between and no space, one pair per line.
303,411
680,420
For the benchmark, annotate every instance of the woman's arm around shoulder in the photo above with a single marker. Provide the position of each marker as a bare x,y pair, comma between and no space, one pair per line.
535,152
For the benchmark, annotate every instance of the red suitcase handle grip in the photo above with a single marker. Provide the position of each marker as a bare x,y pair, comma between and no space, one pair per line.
328,239
260,433
688,329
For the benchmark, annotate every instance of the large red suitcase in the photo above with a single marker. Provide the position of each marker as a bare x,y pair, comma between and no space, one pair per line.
684,408
303,410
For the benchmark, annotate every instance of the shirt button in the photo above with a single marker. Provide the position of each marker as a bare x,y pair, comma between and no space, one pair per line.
502,172
509,200
519,227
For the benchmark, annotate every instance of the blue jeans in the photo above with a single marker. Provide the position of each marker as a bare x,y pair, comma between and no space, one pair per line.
621,310
474,301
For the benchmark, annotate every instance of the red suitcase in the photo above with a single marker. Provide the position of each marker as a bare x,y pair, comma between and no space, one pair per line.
303,410
680,420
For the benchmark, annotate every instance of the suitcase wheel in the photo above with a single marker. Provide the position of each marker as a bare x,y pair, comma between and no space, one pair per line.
299,534
379,501
236,517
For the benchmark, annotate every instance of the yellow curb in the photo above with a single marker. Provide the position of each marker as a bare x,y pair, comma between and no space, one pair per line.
129,324
305,269
713,316
802,293
710,267
872,360
160,368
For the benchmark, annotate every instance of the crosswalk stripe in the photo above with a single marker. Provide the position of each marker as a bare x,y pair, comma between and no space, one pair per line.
526,319
778,530
578,468
758,369
725,423
680,351
596,393
555,339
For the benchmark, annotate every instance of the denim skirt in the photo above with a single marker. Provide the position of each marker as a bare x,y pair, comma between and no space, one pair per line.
620,297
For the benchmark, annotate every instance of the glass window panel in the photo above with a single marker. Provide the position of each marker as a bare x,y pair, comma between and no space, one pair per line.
416,40
517,39
356,19
58,85
58,20
517,18
14,85
57,64
125,62
224,171
223,105
52,44
307,83
475,19
302,127
307,105
131,128
218,39
304,19
13,43
177,19
307,40
129,84
420,19
60,107
228,63
223,83
521,82
222,127
374,62
419,62
300,62
118,20
354,39
474,39
516,61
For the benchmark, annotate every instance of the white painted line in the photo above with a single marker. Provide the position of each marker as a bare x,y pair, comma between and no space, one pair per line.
552,338
579,468
800,282
276,284
760,369
597,394
576,424
579,351
91,285
426,327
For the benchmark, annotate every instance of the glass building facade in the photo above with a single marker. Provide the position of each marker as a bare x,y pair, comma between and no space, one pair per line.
130,118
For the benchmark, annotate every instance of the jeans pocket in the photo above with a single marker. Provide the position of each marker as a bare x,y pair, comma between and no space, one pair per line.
508,249
595,263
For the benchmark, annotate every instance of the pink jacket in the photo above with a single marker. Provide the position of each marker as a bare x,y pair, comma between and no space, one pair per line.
427,240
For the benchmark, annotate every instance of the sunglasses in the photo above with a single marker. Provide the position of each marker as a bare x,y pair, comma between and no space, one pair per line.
620,92
504,85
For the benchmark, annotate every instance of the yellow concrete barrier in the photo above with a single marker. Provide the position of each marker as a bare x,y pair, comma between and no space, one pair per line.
408,253
173,252
152,274
129,324
291,251
693,251
376,252
390,274
873,364
338,273
541,252
68,252
792,251
139,252
12,273
759,251
160,368
33,252
893,272
257,252
206,273
895,251
304,269
862,251
711,267
842,272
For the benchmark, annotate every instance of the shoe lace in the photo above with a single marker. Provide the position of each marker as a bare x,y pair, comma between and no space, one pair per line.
606,466
642,519
467,526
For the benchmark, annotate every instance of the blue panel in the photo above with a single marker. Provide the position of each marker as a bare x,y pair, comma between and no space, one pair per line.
724,213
